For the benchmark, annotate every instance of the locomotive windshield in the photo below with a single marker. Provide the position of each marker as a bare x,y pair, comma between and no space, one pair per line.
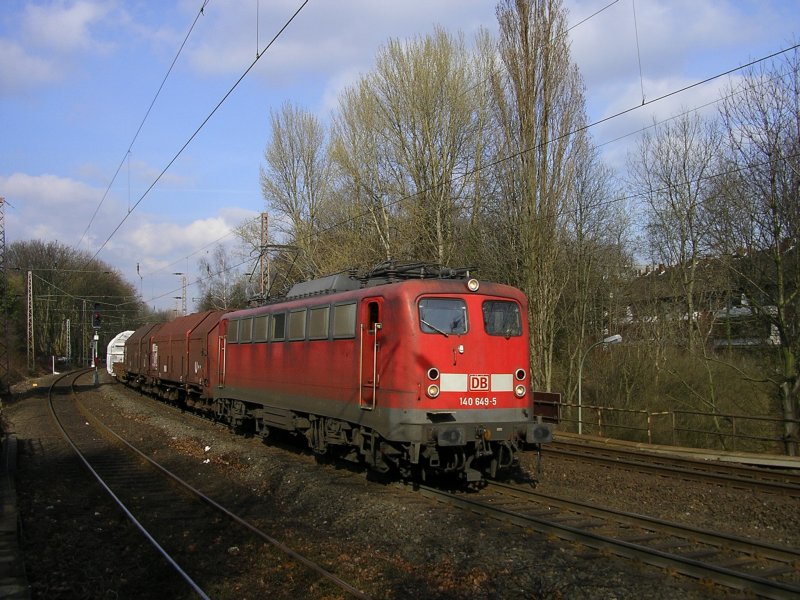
501,318
446,316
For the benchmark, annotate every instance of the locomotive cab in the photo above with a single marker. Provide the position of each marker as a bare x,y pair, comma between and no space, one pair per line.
449,366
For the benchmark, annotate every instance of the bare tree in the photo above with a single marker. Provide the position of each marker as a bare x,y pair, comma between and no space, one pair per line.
672,173
406,144
363,164
594,302
540,119
295,180
221,285
759,217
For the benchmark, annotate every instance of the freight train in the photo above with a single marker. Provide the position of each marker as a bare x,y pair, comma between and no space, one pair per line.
413,368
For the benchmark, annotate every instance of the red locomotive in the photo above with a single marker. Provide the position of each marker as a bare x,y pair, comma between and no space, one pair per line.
412,368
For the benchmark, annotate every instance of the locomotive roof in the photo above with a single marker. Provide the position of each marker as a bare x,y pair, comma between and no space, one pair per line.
325,285
382,274
408,288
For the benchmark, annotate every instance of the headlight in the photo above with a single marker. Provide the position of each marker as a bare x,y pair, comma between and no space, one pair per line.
520,374
519,391
473,285
433,390
433,373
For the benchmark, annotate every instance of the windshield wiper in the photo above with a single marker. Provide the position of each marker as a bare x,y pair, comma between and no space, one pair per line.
436,329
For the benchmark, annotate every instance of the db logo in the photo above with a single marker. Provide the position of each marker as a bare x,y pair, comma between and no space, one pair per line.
478,383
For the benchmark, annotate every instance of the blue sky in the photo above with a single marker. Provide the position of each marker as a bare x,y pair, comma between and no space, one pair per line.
77,77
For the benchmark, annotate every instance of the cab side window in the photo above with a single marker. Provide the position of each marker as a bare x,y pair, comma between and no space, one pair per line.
501,317
446,316
374,316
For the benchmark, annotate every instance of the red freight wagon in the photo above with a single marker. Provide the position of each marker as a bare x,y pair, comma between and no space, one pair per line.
179,352
137,350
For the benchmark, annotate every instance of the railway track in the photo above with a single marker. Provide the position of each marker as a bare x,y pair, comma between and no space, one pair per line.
775,481
750,566
517,569
196,535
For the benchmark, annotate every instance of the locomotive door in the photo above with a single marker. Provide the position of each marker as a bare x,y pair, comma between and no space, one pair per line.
369,335
222,353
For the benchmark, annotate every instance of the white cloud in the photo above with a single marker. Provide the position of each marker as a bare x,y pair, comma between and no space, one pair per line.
162,248
336,85
151,237
325,38
43,41
20,70
51,207
54,208
64,26
46,192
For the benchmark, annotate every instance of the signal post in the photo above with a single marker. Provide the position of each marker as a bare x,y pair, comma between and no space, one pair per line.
96,321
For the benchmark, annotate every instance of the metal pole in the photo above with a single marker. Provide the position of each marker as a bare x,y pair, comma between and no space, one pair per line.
95,345
262,259
613,339
30,328
580,379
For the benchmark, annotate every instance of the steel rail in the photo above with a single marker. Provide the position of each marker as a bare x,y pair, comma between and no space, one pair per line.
178,569
312,565
686,468
627,549
706,536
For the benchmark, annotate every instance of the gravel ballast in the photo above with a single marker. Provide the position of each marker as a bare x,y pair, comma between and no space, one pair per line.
382,537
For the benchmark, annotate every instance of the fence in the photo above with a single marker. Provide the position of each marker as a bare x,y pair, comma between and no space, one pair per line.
677,427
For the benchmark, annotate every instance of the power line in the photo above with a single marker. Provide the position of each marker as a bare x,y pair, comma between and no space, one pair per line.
200,127
147,114
580,129
489,165
736,92
391,203
258,55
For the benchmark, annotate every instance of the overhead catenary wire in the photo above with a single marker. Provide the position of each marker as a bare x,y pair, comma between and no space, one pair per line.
525,150
200,127
575,131
570,28
684,113
141,125
258,56
512,156
593,124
